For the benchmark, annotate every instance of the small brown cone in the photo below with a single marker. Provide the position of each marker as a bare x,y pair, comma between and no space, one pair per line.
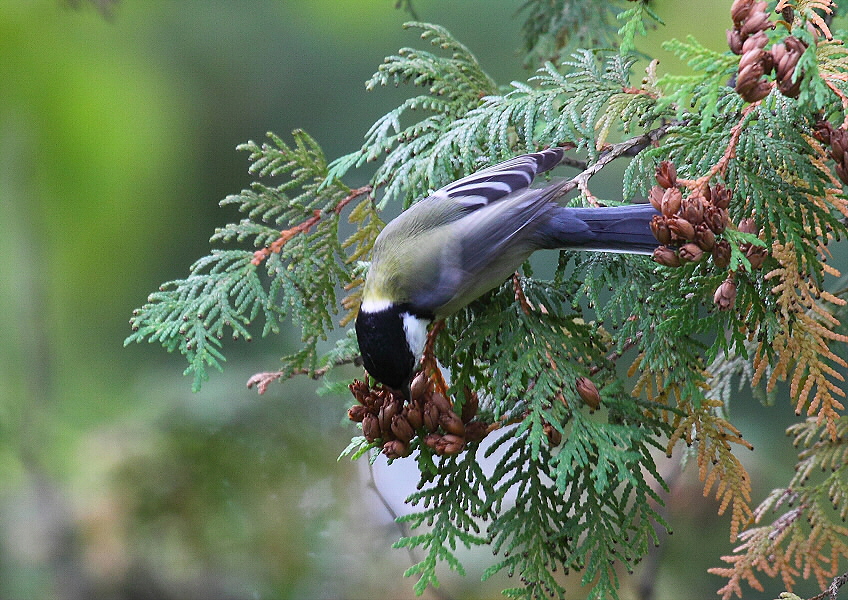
666,256
396,449
725,295
588,392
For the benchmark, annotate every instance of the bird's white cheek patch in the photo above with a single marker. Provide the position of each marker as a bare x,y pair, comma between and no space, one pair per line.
416,334
373,306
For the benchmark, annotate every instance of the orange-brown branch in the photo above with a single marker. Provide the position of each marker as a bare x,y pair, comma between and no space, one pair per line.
356,193
729,153
519,294
277,245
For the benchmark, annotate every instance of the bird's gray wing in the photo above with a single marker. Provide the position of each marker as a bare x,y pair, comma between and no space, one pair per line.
486,246
499,181
505,229
487,214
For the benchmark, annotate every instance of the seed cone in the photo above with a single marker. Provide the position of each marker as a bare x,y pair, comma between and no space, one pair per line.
588,392
725,295
666,256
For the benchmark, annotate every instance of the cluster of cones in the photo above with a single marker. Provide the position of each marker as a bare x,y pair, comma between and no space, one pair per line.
688,226
837,139
389,419
748,39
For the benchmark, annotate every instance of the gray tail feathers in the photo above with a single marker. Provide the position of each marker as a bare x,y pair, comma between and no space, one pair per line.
608,228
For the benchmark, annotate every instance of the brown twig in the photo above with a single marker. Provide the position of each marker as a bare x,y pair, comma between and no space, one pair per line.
640,91
574,162
729,153
519,294
591,198
262,380
429,362
355,193
833,589
612,152
402,527
646,585
277,245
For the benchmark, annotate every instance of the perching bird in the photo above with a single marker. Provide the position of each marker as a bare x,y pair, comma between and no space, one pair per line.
466,239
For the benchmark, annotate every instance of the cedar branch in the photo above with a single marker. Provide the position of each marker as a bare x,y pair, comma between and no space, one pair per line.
262,380
277,245
629,147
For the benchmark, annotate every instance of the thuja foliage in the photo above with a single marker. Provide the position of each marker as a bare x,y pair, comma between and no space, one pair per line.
574,380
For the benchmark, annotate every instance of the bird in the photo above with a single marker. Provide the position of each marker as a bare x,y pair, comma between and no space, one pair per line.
464,240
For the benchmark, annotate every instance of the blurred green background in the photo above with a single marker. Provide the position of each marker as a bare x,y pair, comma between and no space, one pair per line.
117,137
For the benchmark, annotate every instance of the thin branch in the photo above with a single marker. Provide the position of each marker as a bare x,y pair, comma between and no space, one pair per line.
721,166
429,363
519,294
104,7
629,147
266,378
407,6
356,193
647,582
833,589
730,152
277,245
629,344
574,162
404,530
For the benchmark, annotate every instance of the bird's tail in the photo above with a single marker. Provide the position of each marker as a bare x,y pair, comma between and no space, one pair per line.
608,229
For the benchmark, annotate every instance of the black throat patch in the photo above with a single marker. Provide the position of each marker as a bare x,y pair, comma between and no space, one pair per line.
382,342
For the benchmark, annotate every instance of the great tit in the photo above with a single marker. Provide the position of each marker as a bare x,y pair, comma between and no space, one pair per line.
466,239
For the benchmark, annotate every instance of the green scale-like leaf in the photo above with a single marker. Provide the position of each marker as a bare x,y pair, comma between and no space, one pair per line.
227,290
453,505
224,291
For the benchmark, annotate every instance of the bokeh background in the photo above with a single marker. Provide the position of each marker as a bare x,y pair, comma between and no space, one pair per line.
118,127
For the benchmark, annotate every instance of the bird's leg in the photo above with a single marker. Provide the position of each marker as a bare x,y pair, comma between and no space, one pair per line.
429,362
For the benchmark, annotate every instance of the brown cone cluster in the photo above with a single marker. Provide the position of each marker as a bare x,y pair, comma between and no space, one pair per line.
749,19
386,417
748,39
754,64
837,139
786,56
688,226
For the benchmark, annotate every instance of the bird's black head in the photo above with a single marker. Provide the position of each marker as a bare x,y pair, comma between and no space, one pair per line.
391,339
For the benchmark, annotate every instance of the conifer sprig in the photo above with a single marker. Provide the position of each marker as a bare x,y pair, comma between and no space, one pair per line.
808,537
294,272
